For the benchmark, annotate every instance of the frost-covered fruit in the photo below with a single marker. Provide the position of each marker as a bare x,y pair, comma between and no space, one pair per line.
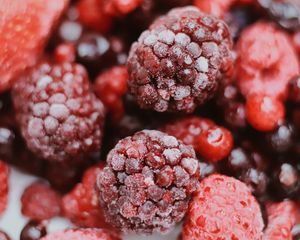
33,230
81,205
4,174
40,202
60,118
241,216
82,234
178,63
148,182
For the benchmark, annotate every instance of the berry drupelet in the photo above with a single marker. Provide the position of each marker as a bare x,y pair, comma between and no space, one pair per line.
60,118
179,61
148,182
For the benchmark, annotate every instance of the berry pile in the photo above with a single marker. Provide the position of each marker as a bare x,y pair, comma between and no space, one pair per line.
141,116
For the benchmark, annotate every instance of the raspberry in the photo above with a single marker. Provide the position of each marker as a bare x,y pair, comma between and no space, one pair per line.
260,61
223,208
93,16
65,52
281,219
215,7
4,236
284,12
40,202
81,205
60,118
178,63
82,234
33,230
209,141
4,174
110,87
264,113
148,182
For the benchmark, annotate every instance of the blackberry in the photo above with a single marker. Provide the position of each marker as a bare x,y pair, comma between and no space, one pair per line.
60,118
33,230
284,12
148,182
179,61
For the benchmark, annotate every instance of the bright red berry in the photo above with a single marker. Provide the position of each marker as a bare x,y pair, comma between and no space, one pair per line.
223,208
215,7
40,202
120,7
264,113
4,174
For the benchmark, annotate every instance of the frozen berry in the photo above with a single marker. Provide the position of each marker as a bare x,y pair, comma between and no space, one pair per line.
110,87
4,174
82,234
223,208
238,160
65,52
81,205
235,115
40,202
264,113
294,89
281,219
33,230
25,28
215,7
148,182
285,12
262,51
179,61
60,118
4,236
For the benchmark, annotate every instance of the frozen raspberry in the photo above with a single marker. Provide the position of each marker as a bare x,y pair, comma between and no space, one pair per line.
60,118
223,208
215,7
82,234
178,63
281,219
260,61
284,12
4,236
264,113
65,52
4,174
81,205
33,230
110,87
40,202
93,16
25,27
148,182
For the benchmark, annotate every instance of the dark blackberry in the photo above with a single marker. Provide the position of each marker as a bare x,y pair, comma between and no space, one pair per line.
294,89
286,13
238,161
178,63
4,236
60,118
148,182
33,230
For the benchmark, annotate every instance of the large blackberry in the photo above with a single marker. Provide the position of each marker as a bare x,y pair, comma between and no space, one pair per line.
148,182
178,63
60,118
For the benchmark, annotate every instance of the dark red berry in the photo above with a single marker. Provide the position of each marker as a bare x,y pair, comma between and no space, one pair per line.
4,175
40,202
60,118
4,236
148,182
178,63
238,161
33,230
235,115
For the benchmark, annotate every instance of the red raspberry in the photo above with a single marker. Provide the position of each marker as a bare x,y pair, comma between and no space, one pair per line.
148,182
281,219
25,27
60,118
40,202
215,7
209,141
81,205
179,61
223,208
82,234
264,113
93,16
110,87
65,52
120,7
4,174
262,51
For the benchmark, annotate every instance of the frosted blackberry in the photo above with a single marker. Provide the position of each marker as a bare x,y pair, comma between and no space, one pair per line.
179,61
60,118
148,182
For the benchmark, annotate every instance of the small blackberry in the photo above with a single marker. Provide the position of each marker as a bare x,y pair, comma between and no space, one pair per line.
178,63
148,182
60,118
